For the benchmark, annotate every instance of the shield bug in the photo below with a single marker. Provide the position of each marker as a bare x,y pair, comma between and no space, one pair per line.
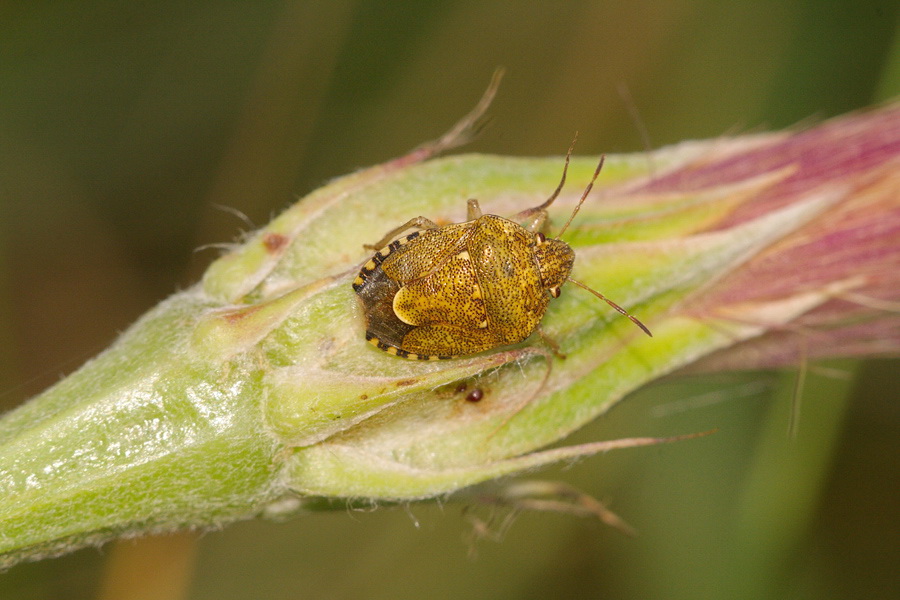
443,292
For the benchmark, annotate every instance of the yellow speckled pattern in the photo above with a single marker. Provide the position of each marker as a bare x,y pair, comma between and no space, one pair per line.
450,294
460,289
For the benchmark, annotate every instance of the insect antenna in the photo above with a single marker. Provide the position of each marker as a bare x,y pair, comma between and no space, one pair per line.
610,302
584,196
543,207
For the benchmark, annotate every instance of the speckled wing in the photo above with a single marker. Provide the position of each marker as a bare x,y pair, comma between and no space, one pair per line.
449,295
427,253
502,254
448,340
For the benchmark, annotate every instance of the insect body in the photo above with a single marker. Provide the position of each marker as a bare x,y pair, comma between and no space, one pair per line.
464,288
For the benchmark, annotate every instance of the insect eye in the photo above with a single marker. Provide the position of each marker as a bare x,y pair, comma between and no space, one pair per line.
555,292
540,238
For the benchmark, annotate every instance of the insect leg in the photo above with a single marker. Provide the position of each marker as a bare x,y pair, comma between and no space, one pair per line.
419,222
473,209
538,221
554,346
522,403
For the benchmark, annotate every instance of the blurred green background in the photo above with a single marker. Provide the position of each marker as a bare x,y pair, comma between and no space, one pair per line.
124,127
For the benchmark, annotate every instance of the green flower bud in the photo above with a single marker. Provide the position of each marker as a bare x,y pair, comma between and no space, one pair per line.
257,385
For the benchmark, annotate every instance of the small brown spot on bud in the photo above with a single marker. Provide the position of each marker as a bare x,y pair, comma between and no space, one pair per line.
274,242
